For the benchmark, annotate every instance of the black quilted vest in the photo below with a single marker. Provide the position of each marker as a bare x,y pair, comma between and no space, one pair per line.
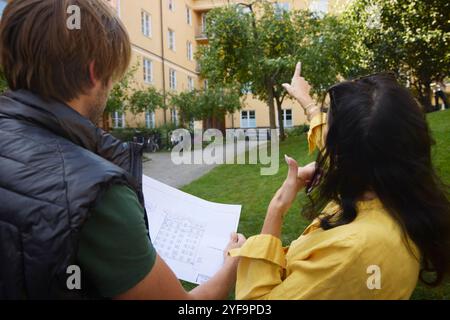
54,166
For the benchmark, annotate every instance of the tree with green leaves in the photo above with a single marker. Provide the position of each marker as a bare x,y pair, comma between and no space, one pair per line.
257,46
127,95
326,49
146,100
409,37
186,104
216,102
238,52
213,102
119,96
121,92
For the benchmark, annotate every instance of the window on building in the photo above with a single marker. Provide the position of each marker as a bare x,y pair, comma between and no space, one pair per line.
118,119
148,71
146,22
247,88
248,119
281,7
190,83
171,5
3,4
188,15
287,118
319,7
189,50
174,115
150,119
171,39
203,22
172,79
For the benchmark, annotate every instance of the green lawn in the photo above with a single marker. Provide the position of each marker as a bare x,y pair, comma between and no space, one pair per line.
243,184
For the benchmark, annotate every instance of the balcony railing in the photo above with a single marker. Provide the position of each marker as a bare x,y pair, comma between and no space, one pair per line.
201,36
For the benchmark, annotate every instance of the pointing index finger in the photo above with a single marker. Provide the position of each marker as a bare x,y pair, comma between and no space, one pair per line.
298,69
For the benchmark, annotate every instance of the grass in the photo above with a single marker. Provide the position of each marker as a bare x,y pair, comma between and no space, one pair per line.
243,184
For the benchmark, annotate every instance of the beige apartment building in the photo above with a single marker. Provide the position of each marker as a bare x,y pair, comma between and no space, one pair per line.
165,35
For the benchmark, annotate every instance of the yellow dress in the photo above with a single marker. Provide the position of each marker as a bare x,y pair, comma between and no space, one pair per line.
369,258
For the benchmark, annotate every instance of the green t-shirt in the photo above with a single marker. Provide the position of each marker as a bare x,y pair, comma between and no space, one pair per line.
114,251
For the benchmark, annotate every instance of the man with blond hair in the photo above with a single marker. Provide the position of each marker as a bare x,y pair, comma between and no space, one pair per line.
70,193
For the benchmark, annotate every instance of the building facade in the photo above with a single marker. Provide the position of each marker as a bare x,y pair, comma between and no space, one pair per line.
165,35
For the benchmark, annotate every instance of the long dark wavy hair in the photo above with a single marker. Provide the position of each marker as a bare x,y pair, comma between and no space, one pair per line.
378,140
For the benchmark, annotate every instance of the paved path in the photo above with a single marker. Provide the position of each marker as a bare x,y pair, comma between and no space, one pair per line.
161,167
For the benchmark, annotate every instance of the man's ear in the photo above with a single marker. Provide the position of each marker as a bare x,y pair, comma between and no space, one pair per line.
92,76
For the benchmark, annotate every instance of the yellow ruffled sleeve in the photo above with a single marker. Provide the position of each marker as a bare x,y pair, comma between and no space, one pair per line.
261,267
316,137
324,271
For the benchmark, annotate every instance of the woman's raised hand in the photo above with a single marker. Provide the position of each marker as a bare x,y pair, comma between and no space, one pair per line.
299,88
297,178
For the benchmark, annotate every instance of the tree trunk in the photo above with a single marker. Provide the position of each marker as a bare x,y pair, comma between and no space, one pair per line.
271,105
425,95
280,120
215,122
428,104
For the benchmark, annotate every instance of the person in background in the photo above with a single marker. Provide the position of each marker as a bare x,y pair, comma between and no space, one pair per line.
70,193
381,216
440,93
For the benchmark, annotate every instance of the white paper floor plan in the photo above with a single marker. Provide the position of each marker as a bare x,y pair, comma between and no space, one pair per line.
189,233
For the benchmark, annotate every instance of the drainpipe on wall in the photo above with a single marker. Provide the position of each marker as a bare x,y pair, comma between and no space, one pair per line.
162,60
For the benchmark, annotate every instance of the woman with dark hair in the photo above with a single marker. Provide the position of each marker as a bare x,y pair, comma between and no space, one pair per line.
382,216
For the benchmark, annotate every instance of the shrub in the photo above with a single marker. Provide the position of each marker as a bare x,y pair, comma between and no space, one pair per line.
298,130
128,134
